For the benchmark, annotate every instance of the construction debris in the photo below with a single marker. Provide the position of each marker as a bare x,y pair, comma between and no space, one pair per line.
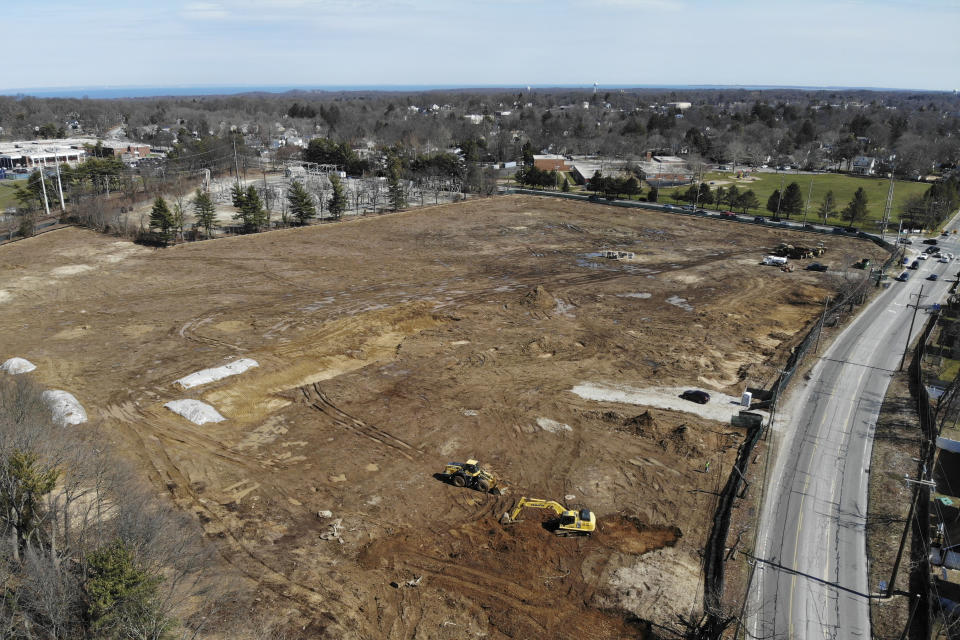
618,255
799,252
334,531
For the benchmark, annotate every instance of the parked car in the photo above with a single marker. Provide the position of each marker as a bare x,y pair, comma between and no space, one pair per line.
922,256
695,395
930,241
903,277
915,265
727,214
944,259
816,266
906,241
759,219
932,276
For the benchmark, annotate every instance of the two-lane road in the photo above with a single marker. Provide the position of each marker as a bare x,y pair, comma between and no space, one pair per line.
811,573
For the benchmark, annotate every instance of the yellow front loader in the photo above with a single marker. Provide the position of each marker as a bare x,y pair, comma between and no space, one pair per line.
567,523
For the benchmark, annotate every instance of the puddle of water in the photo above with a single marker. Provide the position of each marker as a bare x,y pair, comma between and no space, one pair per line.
642,295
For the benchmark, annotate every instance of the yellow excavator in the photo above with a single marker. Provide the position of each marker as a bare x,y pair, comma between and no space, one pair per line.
568,522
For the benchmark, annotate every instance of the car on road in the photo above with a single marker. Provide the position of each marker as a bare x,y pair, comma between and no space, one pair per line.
817,266
727,214
695,395
932,276
930,241
906,241
759,219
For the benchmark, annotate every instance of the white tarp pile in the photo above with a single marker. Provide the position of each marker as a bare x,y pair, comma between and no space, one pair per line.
216,373
195,411
65,408
13,366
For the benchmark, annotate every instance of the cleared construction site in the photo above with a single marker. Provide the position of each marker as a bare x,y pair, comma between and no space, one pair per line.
302,392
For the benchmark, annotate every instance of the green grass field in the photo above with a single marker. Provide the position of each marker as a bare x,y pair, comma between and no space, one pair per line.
843,187
6,195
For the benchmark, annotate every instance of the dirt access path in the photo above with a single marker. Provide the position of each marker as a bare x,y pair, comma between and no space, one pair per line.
388,346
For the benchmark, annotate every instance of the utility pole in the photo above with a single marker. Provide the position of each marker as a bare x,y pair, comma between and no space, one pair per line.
806,205
59,183
906,347
887,208
903,539
779,194
696,199
43,187
236,163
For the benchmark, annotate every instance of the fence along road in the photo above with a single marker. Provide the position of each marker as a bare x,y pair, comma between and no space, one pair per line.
810,579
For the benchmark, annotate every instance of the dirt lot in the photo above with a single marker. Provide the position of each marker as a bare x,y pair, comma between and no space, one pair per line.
388,346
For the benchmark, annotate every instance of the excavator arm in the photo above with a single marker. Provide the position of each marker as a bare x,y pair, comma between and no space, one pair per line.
536,504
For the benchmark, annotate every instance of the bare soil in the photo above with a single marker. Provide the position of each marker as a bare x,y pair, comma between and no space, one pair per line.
391,345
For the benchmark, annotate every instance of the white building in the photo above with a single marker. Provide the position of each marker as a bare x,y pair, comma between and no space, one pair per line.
40,153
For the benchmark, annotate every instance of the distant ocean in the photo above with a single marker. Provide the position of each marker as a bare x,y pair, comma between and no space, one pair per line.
149,92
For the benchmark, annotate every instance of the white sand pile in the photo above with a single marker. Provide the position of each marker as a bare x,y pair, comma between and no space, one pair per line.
217,373
65,408
195,411
721,406
13,366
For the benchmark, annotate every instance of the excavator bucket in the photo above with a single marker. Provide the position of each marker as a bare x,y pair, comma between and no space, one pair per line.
506,519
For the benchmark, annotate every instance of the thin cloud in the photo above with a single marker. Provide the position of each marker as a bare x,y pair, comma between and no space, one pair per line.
650,5
204,11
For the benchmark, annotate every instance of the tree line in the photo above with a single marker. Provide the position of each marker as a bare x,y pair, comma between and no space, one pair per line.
86,551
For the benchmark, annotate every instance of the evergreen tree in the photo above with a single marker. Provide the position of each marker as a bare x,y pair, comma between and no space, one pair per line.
596,182
161,217
706,195
237,195
773,202
653,194
395,192
119,594
747,200
720,196
792,200
205,211
856,210
732,195
301,204
631,186
566,185
251,211
338,199
828,207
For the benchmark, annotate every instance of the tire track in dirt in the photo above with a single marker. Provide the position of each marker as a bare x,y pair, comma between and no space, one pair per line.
313,395
237,554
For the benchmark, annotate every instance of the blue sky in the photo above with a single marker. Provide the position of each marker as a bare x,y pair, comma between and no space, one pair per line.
873,43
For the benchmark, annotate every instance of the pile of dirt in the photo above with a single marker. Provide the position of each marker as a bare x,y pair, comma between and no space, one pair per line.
539,298
642,424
